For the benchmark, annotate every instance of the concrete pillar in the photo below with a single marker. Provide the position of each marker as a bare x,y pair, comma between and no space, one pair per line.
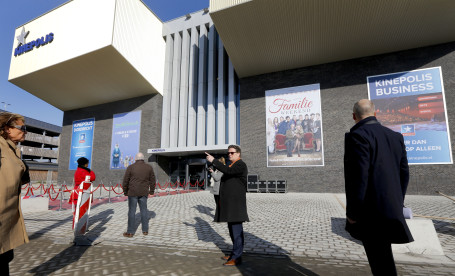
232,110
174,124
183,102
202,88
221,121
165,121
192,87
211,86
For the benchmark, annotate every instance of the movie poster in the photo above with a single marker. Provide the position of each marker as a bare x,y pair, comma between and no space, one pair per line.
294,127
126,130
81,141
413,104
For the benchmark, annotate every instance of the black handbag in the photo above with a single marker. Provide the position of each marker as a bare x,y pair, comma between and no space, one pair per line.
354,229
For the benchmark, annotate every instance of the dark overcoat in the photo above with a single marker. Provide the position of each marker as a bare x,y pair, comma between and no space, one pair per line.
376,178
232,204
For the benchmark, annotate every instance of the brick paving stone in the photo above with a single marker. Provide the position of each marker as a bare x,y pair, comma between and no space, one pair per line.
294,225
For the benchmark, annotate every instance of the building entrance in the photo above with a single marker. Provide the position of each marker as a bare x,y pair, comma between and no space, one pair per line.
191,170
197,175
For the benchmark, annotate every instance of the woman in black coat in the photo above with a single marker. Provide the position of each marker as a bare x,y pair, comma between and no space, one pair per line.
232,205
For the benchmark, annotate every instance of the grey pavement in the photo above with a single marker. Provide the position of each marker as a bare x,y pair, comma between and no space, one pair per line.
289,234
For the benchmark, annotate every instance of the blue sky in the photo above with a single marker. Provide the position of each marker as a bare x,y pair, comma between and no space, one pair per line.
16,13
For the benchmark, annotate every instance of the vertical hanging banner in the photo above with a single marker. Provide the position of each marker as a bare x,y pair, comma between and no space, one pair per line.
413,104
126,130
81,141
294,127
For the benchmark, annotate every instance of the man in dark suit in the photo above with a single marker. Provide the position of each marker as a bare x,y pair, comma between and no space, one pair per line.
376,178
232,203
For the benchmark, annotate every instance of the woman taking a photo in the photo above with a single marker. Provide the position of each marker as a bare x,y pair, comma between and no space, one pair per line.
13,174
216,176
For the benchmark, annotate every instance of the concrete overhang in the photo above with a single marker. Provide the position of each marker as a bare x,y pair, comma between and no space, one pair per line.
186,151
263,36
102,51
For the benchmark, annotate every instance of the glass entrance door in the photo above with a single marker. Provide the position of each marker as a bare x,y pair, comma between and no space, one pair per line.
197,175
177,171
190,171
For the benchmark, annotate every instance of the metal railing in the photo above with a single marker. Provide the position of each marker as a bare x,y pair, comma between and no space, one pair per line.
26,150
43,139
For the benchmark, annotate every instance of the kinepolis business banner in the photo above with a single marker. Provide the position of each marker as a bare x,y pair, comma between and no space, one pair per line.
126,130
413,104
81,141
294,126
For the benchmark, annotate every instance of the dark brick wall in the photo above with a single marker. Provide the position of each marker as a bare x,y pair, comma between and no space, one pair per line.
342,84
150,137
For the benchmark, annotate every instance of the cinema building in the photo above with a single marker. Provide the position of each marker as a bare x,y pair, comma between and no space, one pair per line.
242,72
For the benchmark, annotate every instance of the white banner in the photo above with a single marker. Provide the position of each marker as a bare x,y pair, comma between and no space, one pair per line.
294,127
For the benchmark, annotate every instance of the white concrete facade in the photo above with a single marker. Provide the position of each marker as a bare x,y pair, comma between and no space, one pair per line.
68,37
116,52
201,95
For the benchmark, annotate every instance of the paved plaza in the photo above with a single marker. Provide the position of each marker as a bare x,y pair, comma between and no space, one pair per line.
289,234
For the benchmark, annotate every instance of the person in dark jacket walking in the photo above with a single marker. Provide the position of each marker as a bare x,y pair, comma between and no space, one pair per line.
376,179
232,205
138,183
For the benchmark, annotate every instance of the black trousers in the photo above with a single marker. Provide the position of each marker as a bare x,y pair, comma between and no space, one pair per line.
5,259
380,257
238,239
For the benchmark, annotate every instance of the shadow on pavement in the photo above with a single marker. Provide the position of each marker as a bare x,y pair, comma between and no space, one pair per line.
444,227
41,232
73,253
60,222
137,219
338,225
279,264
206,233
204,210
252,264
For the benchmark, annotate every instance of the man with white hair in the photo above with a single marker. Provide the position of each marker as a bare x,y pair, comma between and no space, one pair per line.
138,183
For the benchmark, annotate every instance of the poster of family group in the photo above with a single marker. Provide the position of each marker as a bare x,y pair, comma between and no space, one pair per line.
126,130
413,104
294,127
81,141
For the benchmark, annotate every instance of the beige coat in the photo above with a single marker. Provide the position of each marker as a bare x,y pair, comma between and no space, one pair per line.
12,227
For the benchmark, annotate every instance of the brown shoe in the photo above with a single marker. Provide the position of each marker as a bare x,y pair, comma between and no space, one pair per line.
226,258
145,233
233,262
128,235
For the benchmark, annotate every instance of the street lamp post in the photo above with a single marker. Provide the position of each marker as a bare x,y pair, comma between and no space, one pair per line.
4,105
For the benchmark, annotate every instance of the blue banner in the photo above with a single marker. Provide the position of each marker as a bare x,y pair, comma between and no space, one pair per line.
413,104
401,84
126,130
81,141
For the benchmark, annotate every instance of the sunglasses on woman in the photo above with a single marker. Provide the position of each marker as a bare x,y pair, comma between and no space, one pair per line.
22,128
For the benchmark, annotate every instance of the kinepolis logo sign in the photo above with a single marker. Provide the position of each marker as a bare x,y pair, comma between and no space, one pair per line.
23,47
